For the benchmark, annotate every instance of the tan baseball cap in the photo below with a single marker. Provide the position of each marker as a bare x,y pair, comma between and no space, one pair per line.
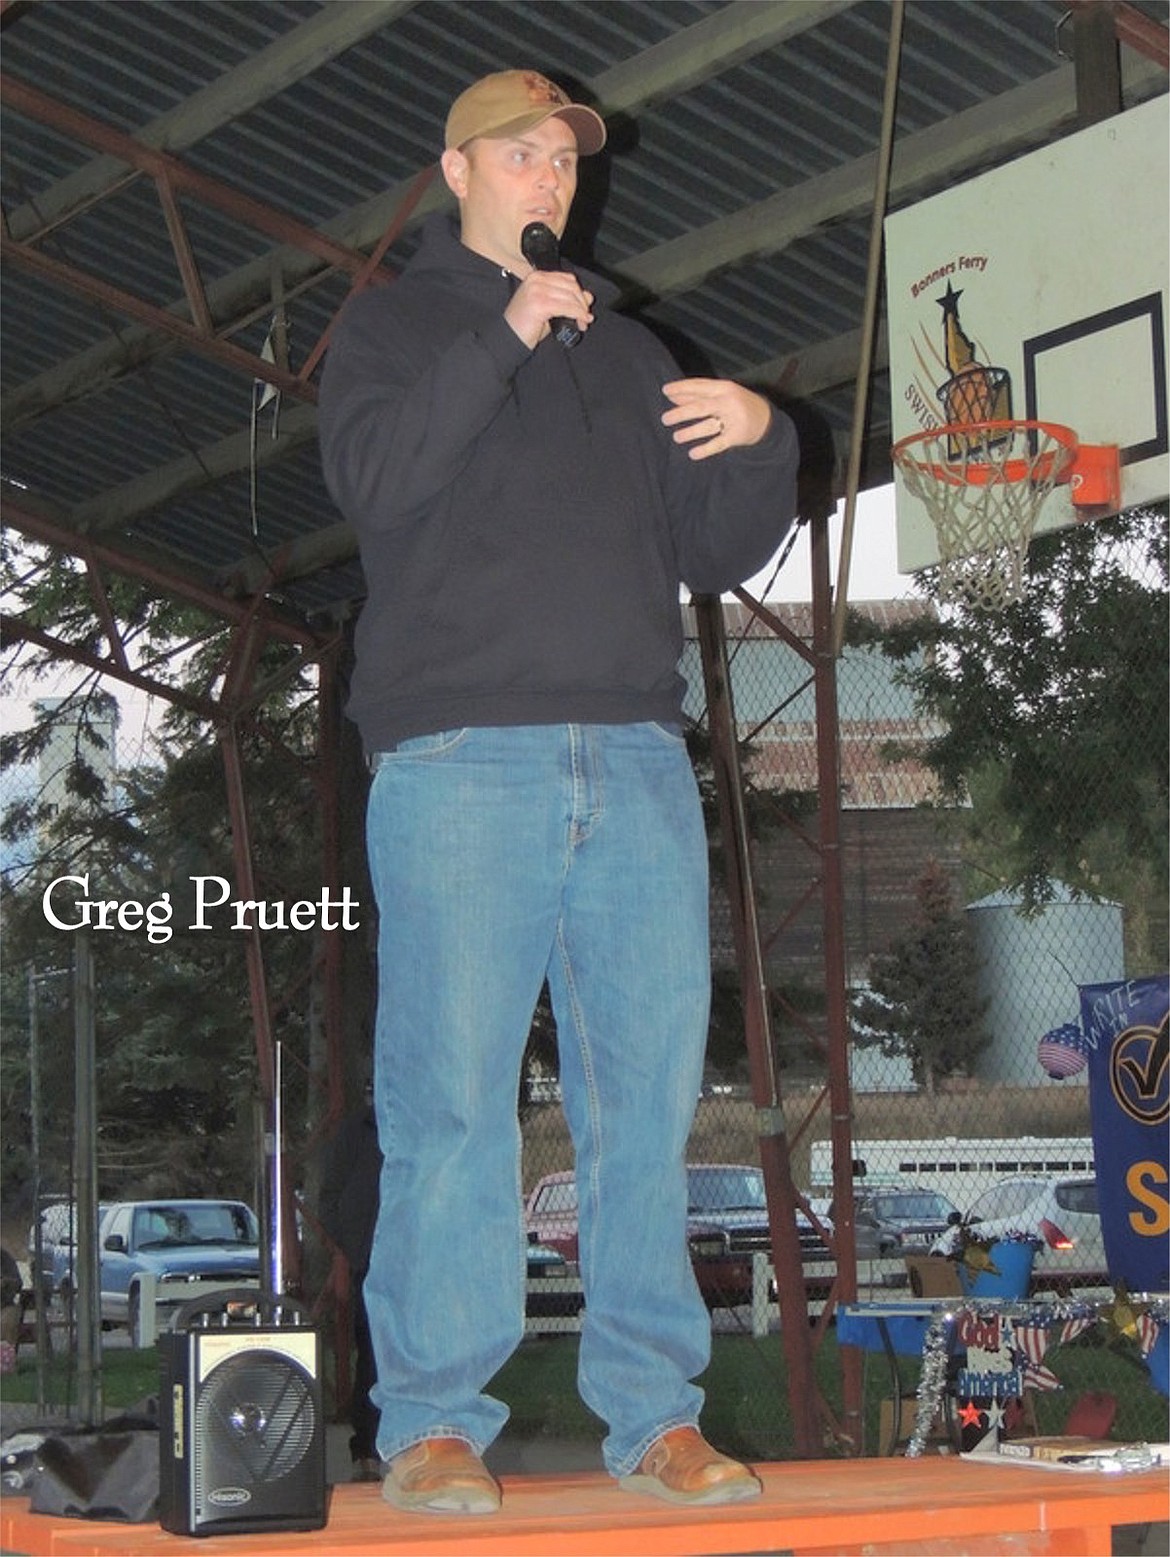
512,101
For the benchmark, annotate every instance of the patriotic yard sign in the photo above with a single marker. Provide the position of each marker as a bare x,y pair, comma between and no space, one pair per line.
1126,1025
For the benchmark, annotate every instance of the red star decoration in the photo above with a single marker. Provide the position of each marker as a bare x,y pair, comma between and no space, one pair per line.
970,1415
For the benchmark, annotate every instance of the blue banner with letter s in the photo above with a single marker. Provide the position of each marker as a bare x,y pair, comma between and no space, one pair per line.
1127,1028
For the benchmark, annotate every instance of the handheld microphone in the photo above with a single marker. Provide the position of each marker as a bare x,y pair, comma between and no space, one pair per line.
539,246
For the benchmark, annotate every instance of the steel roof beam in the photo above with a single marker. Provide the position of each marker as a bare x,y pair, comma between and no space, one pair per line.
38,525
70,278
176,175
679,62
693,54
1022,115
335,28
1141,32
1025,115
992,130
803,374
128,502
17,629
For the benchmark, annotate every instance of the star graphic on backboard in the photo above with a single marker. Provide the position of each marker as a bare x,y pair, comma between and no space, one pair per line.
949,301
995,1414
970,1415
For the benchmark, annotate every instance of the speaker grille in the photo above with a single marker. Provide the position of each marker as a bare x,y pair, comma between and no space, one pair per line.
254,1421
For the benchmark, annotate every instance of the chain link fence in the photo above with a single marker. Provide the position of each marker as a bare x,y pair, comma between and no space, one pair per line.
1003,840
995,862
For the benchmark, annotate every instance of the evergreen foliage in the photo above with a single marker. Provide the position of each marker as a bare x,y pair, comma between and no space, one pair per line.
923,999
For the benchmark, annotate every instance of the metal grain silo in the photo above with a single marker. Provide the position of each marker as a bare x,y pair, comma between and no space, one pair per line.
1032,966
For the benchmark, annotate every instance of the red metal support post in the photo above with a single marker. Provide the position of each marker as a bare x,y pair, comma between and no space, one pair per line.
833,921
779,1189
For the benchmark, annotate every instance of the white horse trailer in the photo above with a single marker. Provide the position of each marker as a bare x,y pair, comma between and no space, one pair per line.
959,1169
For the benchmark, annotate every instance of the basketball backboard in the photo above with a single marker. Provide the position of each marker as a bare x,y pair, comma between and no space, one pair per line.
1038,291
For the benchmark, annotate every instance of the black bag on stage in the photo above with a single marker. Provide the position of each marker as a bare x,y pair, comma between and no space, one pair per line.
109,1472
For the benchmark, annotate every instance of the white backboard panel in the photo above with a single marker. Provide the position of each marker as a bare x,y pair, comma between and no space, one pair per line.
1053,270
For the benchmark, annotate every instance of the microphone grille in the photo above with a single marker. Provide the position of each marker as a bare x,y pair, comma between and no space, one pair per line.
539,246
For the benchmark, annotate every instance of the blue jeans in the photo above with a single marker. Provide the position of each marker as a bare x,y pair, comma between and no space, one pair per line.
500,856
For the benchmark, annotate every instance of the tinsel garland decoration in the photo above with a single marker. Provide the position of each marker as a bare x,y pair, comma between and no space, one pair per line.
932,1381
1072,1314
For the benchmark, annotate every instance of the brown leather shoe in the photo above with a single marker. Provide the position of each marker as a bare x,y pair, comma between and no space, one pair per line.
441,1476
682,1467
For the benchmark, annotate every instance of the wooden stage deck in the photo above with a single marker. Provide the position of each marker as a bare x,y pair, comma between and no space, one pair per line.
935,1505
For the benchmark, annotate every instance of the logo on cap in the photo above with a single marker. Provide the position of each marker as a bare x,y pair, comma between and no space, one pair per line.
542,90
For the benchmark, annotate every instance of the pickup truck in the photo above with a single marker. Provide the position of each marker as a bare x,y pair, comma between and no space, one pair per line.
177,1242
727,1223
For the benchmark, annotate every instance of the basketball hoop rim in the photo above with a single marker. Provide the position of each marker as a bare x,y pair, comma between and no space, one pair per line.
1048,466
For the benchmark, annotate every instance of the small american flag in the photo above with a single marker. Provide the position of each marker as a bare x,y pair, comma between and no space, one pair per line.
1147,1329
1031,1344
1064,1051
1075,1326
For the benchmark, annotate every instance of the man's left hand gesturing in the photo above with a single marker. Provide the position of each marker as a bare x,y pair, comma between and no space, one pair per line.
715,414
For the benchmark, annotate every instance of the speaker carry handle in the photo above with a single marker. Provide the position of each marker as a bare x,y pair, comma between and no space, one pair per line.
268,1306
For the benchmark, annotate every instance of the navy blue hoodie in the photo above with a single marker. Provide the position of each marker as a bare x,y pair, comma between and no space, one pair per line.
524,518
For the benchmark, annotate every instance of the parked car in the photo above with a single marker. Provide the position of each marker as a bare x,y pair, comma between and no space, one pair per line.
564,1301
550,1215
57,1219
1061,1213
61,1266
178,1242
896,1219
727,1223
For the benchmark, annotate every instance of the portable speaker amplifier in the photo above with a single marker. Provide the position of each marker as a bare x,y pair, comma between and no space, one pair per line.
242,1437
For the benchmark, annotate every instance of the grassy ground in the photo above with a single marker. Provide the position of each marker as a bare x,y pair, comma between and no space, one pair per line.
747,1406
127,1378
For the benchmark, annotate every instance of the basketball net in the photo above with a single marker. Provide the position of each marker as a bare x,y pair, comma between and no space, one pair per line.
983,484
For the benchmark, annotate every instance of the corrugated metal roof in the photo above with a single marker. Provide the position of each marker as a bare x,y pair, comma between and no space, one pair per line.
325,112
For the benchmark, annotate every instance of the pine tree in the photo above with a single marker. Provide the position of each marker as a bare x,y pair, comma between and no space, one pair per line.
923,999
